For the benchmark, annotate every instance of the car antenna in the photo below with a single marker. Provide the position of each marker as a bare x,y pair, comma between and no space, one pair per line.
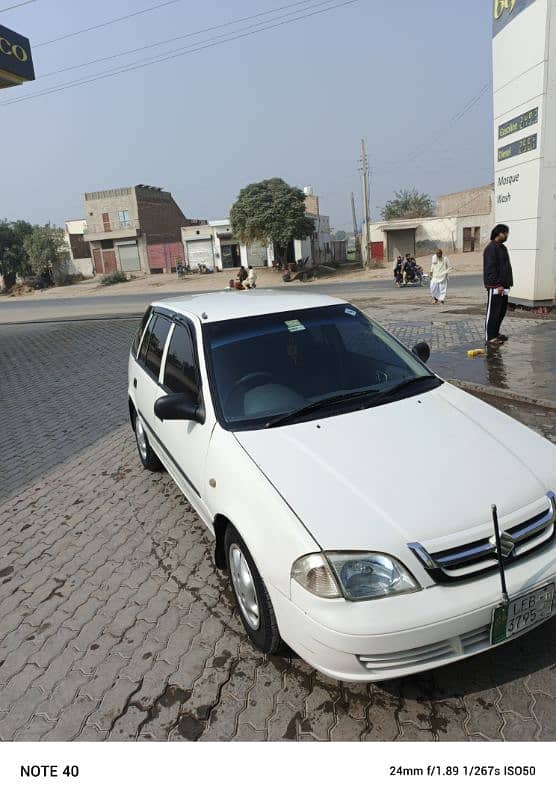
500,554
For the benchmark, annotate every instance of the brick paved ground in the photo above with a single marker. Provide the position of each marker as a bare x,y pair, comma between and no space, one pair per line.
114,623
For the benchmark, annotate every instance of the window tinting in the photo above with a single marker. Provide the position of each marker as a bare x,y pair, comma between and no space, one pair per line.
268,365
156,345
180,374
139,333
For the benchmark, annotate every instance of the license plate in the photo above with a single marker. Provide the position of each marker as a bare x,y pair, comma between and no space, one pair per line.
521,613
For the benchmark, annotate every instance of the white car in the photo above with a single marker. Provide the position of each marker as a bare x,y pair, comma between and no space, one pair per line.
349,489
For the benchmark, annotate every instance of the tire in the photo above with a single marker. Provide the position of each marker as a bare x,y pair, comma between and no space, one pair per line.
261,627
148,457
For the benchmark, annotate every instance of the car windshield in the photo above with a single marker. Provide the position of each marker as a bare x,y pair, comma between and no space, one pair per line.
271,367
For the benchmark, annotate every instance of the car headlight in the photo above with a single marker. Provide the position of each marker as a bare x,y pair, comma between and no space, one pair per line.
356,576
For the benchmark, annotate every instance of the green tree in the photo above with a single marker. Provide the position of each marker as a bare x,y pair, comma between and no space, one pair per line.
46,250
271,211
408,204
13,256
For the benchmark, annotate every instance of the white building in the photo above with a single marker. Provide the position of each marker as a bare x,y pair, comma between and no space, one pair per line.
463,224
80,262
214,245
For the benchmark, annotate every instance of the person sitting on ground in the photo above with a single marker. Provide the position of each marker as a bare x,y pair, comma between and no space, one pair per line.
251,280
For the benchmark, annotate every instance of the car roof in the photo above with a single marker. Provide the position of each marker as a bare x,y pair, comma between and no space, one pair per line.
233,304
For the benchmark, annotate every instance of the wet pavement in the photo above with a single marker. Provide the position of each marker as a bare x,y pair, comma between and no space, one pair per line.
525,364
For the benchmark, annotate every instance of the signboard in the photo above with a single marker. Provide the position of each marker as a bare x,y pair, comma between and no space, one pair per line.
518,147
16,63
505,11
519,123
524,84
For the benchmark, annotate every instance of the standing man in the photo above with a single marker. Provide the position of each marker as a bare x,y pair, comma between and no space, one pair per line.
498,280
439,277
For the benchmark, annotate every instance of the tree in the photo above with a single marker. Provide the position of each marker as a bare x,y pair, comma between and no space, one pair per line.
13,256
271,211
409,204
46,250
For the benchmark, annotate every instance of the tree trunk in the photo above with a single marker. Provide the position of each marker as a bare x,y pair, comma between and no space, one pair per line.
9,280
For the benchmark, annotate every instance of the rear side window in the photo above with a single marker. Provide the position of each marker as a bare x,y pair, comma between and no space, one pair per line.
145,342
180,373
139,333
157,340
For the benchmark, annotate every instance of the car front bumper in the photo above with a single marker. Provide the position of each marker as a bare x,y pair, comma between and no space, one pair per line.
393,637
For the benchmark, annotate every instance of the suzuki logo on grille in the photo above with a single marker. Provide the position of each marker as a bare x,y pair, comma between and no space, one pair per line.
507,544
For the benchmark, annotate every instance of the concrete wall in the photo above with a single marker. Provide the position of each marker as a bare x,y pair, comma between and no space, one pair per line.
432,233
109,201
469,202
78,263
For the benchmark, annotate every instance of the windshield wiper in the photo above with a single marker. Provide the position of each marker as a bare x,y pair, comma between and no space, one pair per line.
324,402
406,382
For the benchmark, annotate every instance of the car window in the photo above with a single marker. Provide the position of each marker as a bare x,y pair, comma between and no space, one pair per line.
180,372
145,342
139,332
268,365
157,340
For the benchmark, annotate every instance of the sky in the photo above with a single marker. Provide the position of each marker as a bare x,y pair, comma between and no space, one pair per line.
293,101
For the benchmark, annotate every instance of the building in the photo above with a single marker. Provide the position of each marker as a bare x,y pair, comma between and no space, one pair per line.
214,245
462,223
134,229
80,261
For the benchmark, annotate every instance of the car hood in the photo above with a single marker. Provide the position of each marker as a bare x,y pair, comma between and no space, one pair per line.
418,469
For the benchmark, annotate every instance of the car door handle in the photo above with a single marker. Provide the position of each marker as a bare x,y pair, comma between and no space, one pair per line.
135,383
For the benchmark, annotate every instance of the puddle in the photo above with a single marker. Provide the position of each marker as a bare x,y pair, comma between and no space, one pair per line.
525,366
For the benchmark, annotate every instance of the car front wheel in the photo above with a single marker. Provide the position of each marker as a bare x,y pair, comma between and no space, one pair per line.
148,457
252,598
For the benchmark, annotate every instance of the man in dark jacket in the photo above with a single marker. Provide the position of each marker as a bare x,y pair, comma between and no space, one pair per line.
498,279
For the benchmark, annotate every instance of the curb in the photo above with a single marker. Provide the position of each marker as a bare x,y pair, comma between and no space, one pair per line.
503,394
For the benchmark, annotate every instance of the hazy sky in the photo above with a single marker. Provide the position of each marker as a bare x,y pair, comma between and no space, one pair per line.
292,102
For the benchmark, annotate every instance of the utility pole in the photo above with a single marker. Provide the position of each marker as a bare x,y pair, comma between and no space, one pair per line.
365,180
355,228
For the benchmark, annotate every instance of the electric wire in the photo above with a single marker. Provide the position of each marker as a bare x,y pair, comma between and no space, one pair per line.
17,5
108,22
171,55
190,35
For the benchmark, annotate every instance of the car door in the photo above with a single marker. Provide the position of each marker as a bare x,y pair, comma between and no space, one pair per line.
147,373
185,442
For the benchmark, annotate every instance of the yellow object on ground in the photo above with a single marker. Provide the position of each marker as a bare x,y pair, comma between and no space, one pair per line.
475,353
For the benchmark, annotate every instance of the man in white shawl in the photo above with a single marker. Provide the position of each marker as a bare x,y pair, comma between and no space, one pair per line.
439,277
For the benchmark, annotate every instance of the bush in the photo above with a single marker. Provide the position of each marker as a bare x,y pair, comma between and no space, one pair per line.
113,277
67,279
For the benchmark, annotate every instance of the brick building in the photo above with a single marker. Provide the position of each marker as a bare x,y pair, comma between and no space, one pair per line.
134,229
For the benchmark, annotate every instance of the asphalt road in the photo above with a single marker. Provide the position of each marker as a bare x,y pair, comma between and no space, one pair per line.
103,305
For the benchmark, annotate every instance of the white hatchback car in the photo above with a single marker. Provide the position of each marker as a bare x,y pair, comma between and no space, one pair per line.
348,488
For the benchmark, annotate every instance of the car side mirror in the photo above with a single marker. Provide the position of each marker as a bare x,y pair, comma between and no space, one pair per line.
180,406
422,351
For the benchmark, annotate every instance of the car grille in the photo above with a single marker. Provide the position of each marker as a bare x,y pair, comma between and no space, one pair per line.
475,558
431,655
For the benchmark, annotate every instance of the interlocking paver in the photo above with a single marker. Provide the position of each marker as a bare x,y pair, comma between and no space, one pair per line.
517,729
114,622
